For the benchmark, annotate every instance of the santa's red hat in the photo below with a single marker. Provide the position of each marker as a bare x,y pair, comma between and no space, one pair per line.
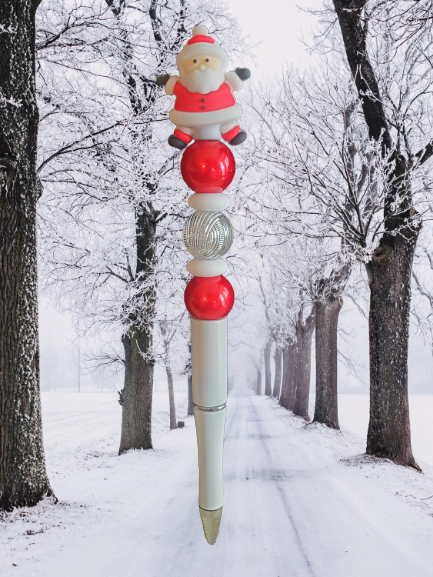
201,43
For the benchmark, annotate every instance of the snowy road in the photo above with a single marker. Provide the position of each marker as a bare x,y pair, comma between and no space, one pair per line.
291,509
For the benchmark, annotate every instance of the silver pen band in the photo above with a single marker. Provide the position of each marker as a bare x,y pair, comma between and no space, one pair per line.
210,409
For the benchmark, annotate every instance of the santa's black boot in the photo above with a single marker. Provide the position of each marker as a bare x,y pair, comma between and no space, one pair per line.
240,137
176,142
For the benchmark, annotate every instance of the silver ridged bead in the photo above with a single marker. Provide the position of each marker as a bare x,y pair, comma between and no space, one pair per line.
207,235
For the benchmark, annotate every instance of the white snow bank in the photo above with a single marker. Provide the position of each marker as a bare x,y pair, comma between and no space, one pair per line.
353,414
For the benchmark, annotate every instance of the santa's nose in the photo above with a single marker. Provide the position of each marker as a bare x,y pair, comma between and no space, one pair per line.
201,67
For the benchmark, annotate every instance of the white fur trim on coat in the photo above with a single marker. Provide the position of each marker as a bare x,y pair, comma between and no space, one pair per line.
214,117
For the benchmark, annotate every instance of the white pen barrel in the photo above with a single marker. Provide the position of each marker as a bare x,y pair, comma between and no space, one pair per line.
209,394
210,440
209,362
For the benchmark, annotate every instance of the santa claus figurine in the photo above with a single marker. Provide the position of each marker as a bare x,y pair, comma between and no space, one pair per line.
205,108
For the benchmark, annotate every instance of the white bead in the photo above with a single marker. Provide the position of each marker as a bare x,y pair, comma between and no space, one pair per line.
206,268
209,201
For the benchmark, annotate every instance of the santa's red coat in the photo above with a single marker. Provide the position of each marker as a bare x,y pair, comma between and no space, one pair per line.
194,102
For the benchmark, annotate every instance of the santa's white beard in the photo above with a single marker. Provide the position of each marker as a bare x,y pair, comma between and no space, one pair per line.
203,82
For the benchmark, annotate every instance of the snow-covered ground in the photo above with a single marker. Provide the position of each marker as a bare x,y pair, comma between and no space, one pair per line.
299,501
353,415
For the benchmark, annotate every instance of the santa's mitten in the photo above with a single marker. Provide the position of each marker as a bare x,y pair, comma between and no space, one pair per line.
243,73
162,79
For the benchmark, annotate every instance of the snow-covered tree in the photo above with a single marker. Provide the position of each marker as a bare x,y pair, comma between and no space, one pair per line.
392,75
115,201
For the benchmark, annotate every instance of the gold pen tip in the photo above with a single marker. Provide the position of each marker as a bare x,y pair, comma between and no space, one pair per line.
211,521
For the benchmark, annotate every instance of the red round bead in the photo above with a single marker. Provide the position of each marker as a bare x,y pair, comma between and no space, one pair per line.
208,166
209,298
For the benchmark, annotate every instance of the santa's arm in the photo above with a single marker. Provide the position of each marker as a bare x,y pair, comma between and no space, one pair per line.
167,81
169,87
236,77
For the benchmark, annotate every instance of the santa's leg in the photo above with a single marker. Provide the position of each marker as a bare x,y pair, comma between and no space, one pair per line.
233,133
181,137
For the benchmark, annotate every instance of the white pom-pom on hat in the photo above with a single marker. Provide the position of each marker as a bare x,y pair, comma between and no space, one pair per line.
200,30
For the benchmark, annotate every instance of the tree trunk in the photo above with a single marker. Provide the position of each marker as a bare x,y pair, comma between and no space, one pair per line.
138,342
23,478
304,336
268,376
278,370
137,392
390,292
190,403
164,328
326,407
173,422
284,361
288,395
259,382
292,376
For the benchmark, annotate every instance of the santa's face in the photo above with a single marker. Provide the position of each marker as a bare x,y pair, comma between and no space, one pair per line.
202,73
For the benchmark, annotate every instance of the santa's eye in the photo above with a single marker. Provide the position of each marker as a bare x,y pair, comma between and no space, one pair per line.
195,61
207,59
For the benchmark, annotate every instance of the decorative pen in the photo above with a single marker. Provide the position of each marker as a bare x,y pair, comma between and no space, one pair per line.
205,111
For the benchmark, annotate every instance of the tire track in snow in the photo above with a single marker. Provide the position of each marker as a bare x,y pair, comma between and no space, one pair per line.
263,438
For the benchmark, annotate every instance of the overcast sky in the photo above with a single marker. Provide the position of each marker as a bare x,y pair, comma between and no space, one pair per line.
278,25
